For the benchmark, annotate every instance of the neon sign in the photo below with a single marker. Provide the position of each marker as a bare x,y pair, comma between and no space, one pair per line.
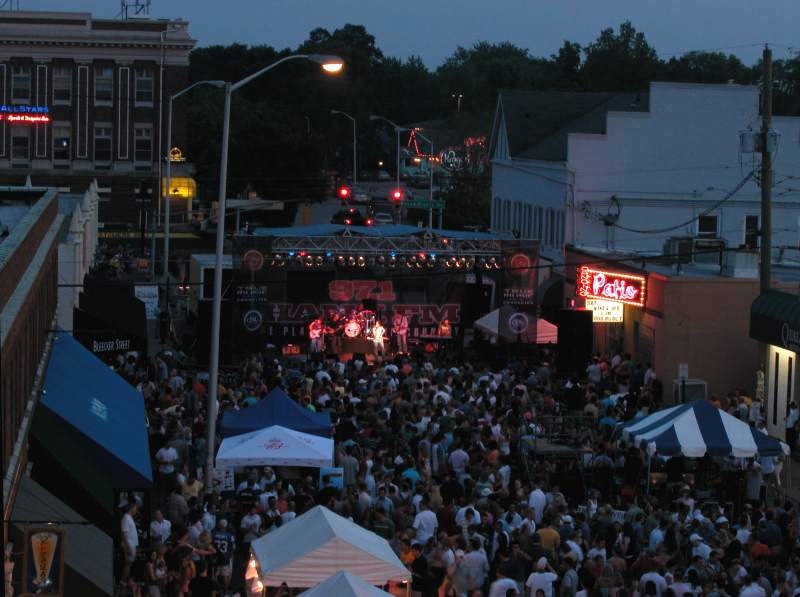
611,286
25,114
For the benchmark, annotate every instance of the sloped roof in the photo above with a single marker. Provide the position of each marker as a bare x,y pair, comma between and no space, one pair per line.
319,543
537,122
344,584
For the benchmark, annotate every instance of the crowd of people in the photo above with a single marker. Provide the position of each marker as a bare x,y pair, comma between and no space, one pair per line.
438,457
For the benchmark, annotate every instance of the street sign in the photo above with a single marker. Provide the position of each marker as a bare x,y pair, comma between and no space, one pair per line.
424,204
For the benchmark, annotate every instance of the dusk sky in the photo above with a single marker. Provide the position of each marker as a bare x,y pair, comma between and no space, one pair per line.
433,28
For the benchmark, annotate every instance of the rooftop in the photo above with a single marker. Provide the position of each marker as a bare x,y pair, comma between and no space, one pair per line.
15,203
786,270
537,122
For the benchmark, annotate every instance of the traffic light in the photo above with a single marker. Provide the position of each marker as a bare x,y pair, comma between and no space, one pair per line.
344,193
397,195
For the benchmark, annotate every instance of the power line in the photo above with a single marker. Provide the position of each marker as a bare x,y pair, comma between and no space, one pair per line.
737,188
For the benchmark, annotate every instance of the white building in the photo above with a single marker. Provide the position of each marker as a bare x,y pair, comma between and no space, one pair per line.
617,170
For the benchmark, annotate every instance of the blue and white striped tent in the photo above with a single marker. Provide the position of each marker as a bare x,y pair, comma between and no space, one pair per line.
697,429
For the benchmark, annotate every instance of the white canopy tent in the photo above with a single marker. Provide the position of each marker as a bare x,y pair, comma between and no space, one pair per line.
275,446
344,584
320,543
493,324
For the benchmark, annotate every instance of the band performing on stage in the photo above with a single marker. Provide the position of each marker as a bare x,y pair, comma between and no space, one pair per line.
364,331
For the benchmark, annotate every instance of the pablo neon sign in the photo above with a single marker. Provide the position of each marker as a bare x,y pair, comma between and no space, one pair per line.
611,286
25,114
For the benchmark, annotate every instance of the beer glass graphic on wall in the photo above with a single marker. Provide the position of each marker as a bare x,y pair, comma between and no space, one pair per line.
43,547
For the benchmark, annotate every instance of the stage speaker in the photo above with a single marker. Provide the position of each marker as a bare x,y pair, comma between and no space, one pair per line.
575,340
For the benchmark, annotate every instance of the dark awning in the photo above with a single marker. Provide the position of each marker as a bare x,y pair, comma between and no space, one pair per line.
775,319
92,420
276,408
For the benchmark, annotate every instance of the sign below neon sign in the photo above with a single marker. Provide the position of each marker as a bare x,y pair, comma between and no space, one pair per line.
611,286
25,114
606,311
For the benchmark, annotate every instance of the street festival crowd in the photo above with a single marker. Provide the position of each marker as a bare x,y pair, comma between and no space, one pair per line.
435,457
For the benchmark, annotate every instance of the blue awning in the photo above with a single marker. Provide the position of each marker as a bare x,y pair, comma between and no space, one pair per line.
276,408
98,415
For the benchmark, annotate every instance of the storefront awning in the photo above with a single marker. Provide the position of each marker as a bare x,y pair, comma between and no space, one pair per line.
775,319
92,420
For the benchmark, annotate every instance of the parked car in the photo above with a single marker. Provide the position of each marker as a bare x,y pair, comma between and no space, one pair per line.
383,175
383,219
420,181
360,195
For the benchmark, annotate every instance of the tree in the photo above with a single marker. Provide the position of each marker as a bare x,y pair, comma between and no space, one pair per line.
621,61
709,67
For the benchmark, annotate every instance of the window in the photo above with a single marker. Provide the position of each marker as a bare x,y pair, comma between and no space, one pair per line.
143,144
62,143
707,226
144,85
103,85
21,84
551,226
751,231
62,85
20,143
538,223
102,143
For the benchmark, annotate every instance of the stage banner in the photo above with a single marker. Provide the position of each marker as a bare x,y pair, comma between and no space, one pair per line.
520,276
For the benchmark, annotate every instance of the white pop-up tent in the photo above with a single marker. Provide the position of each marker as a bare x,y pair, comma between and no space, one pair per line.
320,543
344,584
275,446
501,323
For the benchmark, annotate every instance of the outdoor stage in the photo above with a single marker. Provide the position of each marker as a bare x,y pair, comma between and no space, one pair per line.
284,278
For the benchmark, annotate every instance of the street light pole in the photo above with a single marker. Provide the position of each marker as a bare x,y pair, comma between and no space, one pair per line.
397,129
168,181
163,35
339,112
330,64
430,171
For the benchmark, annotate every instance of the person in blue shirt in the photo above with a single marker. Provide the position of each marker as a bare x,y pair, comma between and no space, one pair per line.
225,544
411,474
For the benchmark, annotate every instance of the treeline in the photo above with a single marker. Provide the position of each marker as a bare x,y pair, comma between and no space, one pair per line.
284,137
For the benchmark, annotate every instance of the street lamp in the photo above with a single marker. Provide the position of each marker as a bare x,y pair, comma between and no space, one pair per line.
458,97
430,169
168,181
330,64
397,129
339,112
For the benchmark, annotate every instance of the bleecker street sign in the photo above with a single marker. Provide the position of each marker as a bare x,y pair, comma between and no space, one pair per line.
424,204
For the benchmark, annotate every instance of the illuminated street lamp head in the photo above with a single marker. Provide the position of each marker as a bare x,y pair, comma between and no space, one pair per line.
330,64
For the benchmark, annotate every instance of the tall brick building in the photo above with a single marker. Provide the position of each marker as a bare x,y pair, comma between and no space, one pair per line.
83,99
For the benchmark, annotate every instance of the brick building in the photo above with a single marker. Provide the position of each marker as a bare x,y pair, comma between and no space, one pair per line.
28,296
83,99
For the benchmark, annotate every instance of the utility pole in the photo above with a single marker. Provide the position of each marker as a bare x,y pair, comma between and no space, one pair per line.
766,171
766,203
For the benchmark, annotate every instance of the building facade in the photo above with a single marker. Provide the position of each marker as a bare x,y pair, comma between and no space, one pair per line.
28,295
640,173
85,99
